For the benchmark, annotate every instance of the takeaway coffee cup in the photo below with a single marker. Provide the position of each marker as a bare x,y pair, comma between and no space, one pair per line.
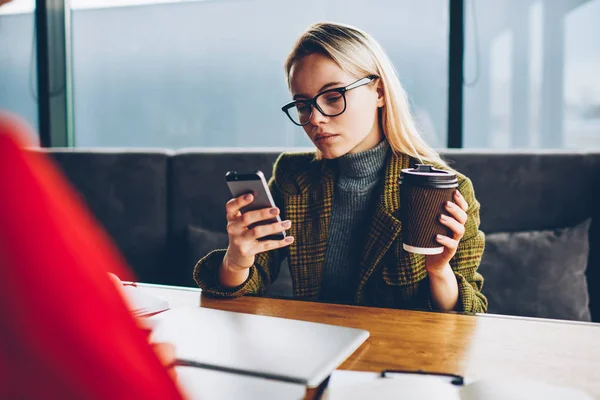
424,190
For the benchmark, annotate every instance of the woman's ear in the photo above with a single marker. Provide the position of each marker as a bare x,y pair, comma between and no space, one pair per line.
380,94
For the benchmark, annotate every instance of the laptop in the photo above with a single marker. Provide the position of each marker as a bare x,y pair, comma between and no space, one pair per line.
273,348
206,384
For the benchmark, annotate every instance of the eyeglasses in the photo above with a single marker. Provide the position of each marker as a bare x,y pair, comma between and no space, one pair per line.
330,103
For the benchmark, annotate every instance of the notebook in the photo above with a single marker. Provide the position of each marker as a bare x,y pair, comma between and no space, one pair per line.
255,345
139,303
417,387
143,304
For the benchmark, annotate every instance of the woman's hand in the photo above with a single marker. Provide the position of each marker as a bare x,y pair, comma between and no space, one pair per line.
243,243
456,222
164,351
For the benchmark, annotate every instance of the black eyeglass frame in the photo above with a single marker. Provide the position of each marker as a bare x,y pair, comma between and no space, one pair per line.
313,102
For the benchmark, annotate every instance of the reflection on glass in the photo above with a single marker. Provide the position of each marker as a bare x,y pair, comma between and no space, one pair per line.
210,73
18,70
582,76
535,64
500,73
535,72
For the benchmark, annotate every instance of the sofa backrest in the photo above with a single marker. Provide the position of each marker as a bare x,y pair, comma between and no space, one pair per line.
541,190
149,200
528,191
198,194
126,190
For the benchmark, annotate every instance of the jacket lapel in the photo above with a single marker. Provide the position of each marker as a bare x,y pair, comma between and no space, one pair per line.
385,226
310,214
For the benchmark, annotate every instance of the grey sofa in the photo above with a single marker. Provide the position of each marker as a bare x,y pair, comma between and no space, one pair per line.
165,209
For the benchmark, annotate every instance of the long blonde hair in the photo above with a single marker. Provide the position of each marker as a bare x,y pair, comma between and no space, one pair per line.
358,54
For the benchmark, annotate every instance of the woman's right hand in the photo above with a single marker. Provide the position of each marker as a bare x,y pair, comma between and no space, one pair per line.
243,243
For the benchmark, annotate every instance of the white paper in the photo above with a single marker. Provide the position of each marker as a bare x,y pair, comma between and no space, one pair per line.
143,304
358,385
409,387
520,389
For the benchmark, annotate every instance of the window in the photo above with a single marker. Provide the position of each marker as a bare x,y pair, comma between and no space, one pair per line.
18,68
581,98
531,74
210,73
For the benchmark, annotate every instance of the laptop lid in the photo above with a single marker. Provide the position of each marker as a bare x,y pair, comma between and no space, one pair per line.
257,345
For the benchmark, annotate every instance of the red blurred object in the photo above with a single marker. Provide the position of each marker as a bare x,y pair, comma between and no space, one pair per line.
65,331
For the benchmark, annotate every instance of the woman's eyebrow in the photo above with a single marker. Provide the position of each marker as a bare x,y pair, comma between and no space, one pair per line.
324,87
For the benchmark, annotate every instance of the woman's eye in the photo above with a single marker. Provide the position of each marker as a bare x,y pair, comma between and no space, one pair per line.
334,98
303,107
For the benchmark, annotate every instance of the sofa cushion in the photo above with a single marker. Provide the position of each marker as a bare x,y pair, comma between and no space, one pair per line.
592,163
126,190
538,273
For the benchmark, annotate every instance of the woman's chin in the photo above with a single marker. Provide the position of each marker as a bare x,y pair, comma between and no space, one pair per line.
330,154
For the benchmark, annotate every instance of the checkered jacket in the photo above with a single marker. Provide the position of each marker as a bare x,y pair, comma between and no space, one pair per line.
303,189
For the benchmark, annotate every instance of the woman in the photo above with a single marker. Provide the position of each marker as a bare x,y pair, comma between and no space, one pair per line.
340,205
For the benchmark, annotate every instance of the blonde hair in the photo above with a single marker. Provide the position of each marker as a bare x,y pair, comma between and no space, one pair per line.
358,54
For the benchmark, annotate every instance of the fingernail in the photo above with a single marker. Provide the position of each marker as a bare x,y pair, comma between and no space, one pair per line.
248,197
443,217
289,239
449,204
273,211
440,237
459,194
286,224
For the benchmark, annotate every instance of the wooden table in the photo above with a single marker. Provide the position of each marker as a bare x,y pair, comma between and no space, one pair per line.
475,346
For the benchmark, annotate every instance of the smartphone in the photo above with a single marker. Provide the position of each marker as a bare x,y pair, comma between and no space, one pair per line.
255,183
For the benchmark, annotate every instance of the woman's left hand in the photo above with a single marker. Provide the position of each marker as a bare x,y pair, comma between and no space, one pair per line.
456,222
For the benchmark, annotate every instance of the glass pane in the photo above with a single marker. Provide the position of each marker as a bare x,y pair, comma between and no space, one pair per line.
210,73
531,74
582,76
18,69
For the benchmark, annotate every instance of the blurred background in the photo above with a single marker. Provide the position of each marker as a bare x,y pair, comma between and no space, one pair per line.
172,74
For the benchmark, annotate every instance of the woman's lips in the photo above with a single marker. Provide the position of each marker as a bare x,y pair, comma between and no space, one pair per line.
325,138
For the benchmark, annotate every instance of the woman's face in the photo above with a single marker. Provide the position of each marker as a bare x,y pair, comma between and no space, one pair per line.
357,129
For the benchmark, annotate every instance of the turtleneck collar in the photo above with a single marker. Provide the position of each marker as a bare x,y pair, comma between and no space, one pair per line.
364,164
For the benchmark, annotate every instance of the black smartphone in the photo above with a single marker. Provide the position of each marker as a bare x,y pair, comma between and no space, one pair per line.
241,183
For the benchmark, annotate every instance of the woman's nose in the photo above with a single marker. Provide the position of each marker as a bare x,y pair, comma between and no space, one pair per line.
317,116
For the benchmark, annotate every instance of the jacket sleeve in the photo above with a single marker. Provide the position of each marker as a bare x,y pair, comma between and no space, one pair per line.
468,256
262,273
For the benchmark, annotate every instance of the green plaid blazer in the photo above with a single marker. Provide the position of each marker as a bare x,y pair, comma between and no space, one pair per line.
303,189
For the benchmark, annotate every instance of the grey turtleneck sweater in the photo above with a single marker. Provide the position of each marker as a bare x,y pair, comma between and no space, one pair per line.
359,175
